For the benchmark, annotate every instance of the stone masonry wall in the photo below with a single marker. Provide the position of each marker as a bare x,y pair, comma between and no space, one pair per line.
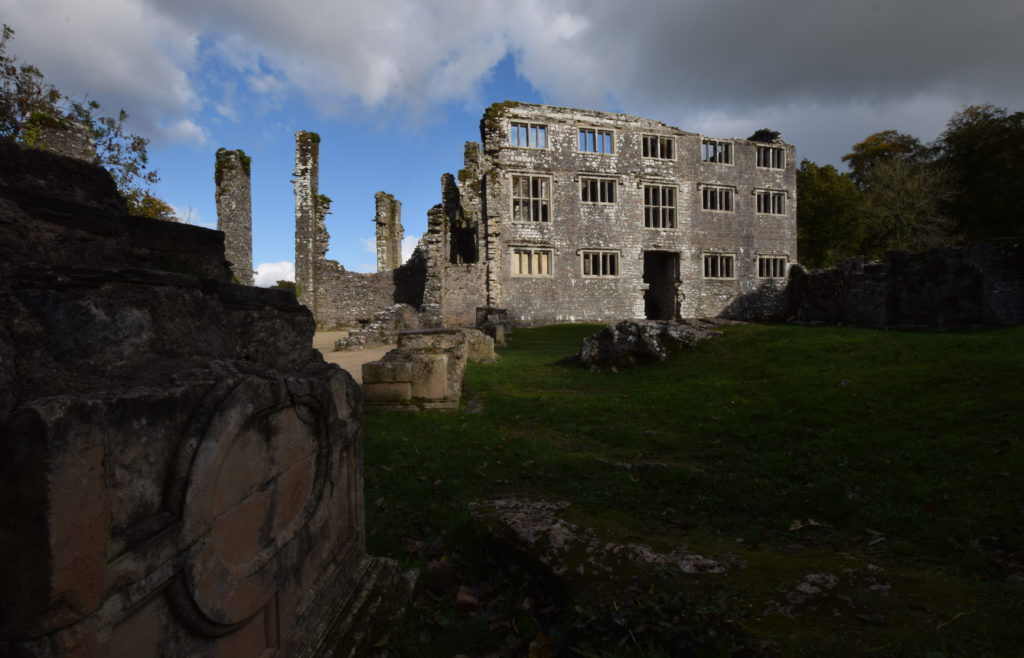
65,137
981,284
466,256
307,183
389,232
234,211
180,472
575,226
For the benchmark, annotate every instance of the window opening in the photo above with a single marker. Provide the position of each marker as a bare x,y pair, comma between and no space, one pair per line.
719,266
528,135
716,198
531,262
771,157
597,190
659,206
716,150
596,141
531,198
658,147
771,203
771,267
600,263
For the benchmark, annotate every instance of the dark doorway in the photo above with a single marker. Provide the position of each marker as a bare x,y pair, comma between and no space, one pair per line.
661,272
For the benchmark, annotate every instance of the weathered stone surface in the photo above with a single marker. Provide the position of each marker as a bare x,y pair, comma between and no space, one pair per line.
389,232
425,371
981,284
574,556
65,137
479,347
180,472
382,329
465,260
450,342
660,273
234,211
632,342
494,322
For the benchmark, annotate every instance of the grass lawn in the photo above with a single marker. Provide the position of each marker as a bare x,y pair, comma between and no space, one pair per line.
883,469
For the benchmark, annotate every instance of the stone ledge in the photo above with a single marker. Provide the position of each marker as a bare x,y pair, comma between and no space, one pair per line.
380,593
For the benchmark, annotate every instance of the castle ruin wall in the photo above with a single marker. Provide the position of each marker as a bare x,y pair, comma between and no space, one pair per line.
234,211
182,472
574,227
388,220
307,190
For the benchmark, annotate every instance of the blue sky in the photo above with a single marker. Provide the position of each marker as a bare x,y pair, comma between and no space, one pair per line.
395,87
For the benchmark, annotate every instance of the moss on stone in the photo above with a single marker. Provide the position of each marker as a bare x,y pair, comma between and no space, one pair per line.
309,137
224,164
490,120
36,122
245,161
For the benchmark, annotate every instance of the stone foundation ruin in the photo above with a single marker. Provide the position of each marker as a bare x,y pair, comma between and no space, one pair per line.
181,472
981,284
426,370
657,223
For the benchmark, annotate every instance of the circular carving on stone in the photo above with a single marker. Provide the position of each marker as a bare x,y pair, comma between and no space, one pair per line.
254,483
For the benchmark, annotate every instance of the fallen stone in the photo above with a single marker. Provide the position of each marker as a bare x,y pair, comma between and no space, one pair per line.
629,343
573,556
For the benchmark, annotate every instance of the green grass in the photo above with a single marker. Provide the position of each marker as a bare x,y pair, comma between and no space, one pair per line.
892,460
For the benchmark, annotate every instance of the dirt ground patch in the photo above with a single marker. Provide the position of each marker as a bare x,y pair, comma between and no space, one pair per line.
352,360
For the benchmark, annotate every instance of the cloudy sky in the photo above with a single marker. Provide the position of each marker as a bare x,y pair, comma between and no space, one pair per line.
395,87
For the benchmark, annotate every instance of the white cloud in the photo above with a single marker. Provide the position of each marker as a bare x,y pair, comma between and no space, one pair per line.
186,131
369,244
267,274
739,60
408,246
122,53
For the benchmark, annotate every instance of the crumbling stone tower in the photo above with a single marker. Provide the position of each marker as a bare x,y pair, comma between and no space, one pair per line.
389,232
234,211
307,216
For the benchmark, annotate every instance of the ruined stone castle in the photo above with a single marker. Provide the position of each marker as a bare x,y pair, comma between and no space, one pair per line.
566,215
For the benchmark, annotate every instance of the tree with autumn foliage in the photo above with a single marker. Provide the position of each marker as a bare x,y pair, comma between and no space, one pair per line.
27,100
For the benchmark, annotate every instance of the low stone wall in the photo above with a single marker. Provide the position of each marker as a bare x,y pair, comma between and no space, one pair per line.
981,284
426,370
180,472
463,293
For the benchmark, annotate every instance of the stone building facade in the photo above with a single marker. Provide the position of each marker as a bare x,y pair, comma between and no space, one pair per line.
597,217
567,215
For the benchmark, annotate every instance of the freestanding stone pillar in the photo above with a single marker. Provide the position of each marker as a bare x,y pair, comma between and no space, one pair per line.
389,232
307,184
234,211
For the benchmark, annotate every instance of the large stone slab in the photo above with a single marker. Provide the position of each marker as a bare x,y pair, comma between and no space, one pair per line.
180,472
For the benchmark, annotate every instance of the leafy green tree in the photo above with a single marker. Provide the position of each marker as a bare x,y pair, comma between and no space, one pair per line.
983,149
27,101
904,206
830,218
881,147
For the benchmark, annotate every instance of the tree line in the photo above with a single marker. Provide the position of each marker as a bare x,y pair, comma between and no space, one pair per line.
902,194
29,103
